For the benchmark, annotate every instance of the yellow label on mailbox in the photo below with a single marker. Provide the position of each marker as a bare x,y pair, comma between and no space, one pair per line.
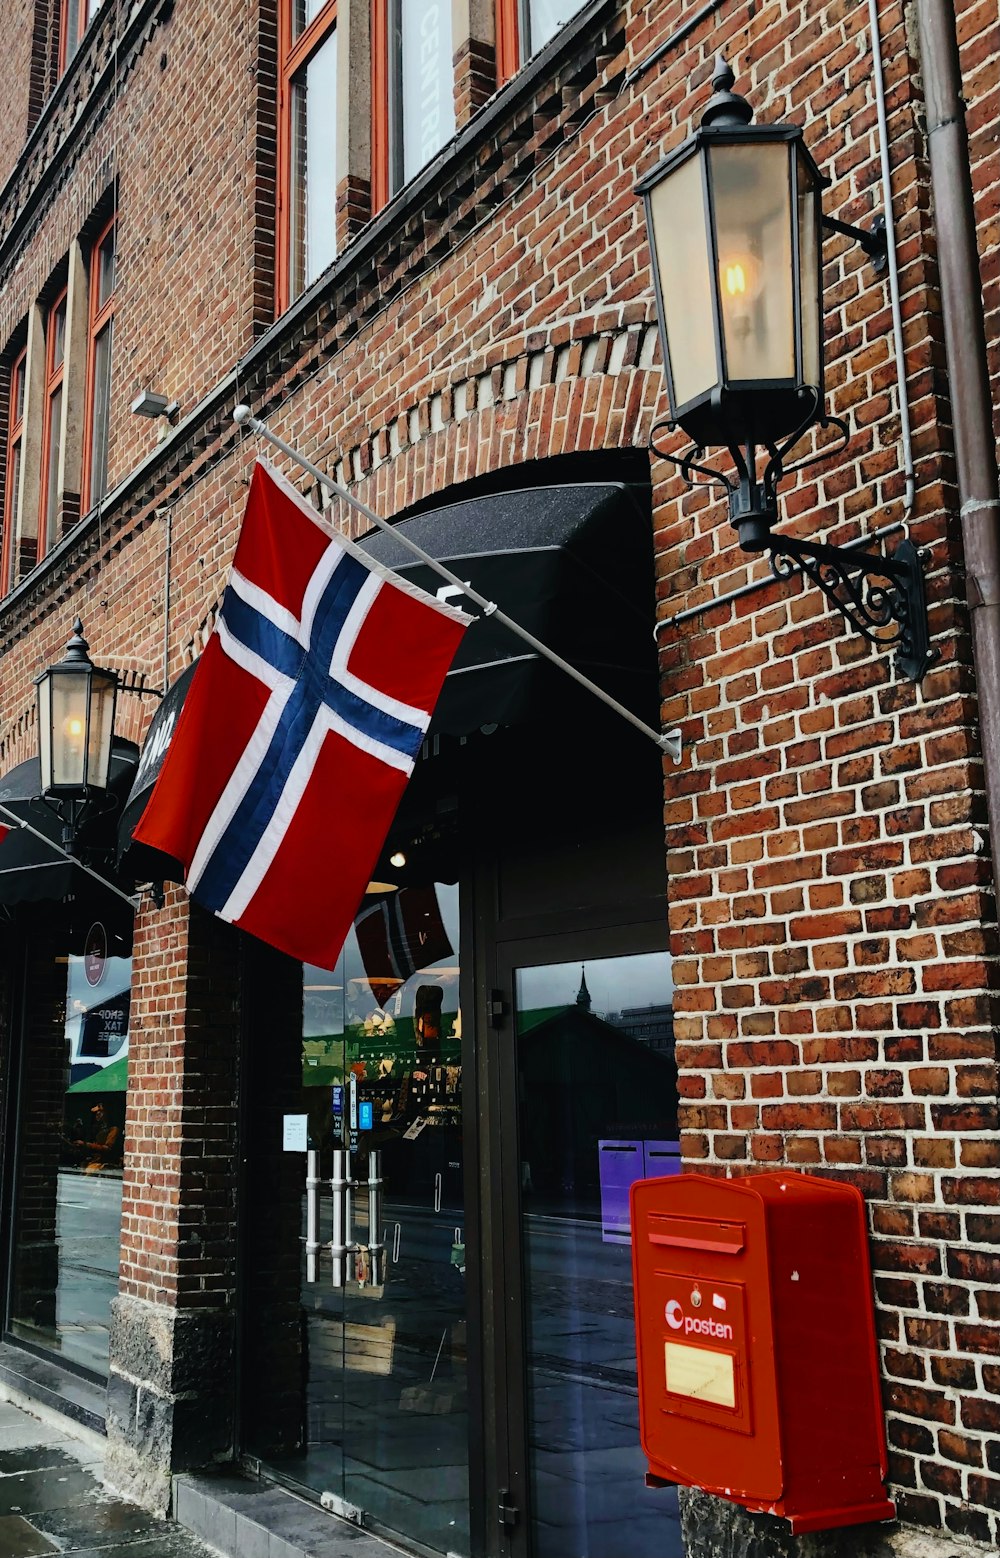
701,1373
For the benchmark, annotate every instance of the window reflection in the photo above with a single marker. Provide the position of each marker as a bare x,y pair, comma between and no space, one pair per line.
384,1357
546,17
598,1109
71,1149
313,231
304,12
427,80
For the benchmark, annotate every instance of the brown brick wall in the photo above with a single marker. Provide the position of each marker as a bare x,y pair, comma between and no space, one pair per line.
25,39
832,914
179,1193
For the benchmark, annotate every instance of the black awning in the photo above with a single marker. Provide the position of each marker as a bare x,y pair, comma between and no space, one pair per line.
143,863
574,565
29,871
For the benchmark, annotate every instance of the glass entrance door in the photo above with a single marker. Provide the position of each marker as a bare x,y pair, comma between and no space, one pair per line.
375,1135
596,1091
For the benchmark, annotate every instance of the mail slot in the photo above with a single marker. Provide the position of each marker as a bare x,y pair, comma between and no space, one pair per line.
755,1340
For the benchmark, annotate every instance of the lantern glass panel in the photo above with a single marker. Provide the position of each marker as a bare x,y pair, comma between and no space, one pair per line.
69,695
809,252
45,731
751,194
102,723
677,221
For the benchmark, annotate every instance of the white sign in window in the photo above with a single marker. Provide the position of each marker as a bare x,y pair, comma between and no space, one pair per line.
295,1136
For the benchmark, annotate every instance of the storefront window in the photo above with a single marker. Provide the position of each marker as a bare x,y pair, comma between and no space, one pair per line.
381,1392
598,1103
71,1138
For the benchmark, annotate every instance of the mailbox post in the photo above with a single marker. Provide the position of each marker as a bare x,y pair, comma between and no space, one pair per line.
755,1339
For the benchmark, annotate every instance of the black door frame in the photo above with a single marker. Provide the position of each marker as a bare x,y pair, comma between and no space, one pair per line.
613,930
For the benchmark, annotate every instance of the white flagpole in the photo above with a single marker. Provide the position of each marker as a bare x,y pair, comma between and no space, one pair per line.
668,741
19,822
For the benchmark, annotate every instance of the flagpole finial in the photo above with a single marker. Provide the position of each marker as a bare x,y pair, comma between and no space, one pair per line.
242,415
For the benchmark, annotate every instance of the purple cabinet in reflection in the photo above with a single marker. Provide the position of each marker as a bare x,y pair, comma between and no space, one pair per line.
621,1163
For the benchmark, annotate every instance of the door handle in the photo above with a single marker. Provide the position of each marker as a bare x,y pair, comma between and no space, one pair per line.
376,1247
437,1192
312,1213
341,1245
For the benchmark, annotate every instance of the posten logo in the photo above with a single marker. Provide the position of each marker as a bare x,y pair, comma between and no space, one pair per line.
695,1325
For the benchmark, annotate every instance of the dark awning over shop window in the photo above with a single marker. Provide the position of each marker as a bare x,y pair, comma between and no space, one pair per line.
143,863
29,871
572,564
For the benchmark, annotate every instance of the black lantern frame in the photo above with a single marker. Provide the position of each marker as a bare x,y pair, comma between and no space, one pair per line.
760,420
76,726
763,408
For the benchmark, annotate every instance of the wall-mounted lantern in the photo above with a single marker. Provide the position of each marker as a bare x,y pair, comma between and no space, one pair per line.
76,726
735,224
76,721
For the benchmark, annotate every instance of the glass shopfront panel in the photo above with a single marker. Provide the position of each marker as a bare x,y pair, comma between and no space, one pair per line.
597,1088
70,1133
381,1416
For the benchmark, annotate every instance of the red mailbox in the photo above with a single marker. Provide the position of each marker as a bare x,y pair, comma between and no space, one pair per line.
755,1338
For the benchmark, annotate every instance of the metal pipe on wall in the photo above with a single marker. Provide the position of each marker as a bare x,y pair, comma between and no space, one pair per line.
968,374
905,437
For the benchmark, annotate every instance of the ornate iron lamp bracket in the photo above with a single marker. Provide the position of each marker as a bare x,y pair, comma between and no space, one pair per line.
882,597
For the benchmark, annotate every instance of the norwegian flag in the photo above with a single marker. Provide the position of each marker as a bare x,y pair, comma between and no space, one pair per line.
399,934
300,728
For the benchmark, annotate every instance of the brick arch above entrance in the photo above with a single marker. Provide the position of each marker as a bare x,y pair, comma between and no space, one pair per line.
556,396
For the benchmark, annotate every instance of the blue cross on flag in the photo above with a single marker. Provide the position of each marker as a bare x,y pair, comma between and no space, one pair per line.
300,728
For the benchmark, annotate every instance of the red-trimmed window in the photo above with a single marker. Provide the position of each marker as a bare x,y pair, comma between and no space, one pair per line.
55,360
15,430
413,97
76,17
524,27
307,144
100,340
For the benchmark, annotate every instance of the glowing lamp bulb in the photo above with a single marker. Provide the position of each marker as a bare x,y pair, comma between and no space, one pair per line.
397,859
736,281
74,726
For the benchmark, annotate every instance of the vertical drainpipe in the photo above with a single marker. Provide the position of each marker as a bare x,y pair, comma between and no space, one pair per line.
968,373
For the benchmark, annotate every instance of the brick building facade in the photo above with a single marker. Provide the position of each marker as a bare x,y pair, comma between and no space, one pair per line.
453,330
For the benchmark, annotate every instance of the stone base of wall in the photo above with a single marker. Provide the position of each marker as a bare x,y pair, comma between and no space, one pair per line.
170,1403
714,1528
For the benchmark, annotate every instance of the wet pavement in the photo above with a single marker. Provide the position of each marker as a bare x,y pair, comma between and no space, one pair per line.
52,1500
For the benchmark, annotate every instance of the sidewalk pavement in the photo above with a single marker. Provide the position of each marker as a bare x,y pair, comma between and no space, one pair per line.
52,1500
